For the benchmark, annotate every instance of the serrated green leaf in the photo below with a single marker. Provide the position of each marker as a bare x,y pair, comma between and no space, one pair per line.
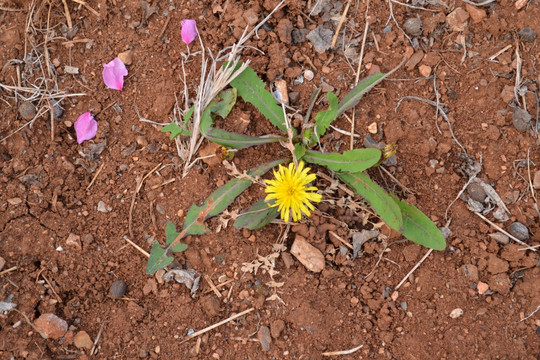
379,200
324,118
299,151
418,228
352,161
354,96
158,259
221,105
259,215
252,90
170,235
175,130
238,141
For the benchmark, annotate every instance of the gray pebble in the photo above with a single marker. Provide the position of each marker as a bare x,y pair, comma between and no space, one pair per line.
519,230
321,38
118,289
476,192
27,110
521,119
264,337
413,26
404,305
58,111
159,208
527,34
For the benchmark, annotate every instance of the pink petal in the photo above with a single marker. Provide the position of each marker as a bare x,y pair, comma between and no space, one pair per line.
113,74
85,127
189,30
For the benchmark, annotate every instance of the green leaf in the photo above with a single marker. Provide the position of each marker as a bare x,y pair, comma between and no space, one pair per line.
259,215
299,151
175,130
324,118
252,89
221,105
171,234
354,96
238,141
352,161
379,200
418,228
158,259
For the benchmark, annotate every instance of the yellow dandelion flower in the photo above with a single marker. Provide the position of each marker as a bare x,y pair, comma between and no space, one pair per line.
291,192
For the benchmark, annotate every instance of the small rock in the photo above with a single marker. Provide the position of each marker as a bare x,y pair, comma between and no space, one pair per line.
457,19
471,271
519,4
536,180
414,60
424,70
507,94
281,93
500,238
287,259
2,263
308,75
413,26
101,207
83,340
482,287
527,34
521,119
476,192
372,128
74,241
126,57
118,289
496,265
454,314
264,337
88,238
276,328
141,140
307,254
284,29
251,17
321,38
294,97
477,14
58,110
51,326
27,110
519,230
411,252
500,283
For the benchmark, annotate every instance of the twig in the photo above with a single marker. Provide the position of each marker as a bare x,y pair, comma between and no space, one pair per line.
487,2
200,332
395,21
138,188
212,286
496,55
334,40
68,15
95,177
531,314
412,6
517,83
504,232
459,195
342,352
164,27
2,8
97,338
397,181
83,3
137,247
413,269
340,239
8,270
52,288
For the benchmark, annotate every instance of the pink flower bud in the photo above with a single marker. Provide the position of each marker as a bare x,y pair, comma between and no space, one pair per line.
189,30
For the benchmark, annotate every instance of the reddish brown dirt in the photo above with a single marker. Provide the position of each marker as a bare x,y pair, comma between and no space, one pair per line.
45,192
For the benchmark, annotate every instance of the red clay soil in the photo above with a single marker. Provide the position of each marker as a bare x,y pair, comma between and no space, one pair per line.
65,207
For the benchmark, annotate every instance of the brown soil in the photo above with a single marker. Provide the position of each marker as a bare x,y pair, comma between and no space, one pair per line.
47,193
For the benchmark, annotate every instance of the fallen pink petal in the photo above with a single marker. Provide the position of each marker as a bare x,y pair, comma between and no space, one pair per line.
85,127
113,74
189,30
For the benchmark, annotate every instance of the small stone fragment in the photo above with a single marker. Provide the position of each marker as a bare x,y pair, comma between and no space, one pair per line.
27,110
281,93
307,254
457,19
308,75
519,4
519,230
536,180
118,289
264,337
456,313
101,207
126,57
477,14
287,259
372,128
500,238
2,263
276,328
424,70
476,192
471,271
482,287
284,29
521,119
321,38
51,326
83,340
413,26
74,241
496,265
251,17
527,34
414,60
500,283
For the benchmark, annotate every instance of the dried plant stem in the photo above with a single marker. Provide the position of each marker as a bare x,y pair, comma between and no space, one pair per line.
413,269
342,352
334,40
504,232
231,318
137,247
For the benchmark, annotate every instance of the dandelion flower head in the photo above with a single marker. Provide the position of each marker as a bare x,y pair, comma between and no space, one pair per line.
291,192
